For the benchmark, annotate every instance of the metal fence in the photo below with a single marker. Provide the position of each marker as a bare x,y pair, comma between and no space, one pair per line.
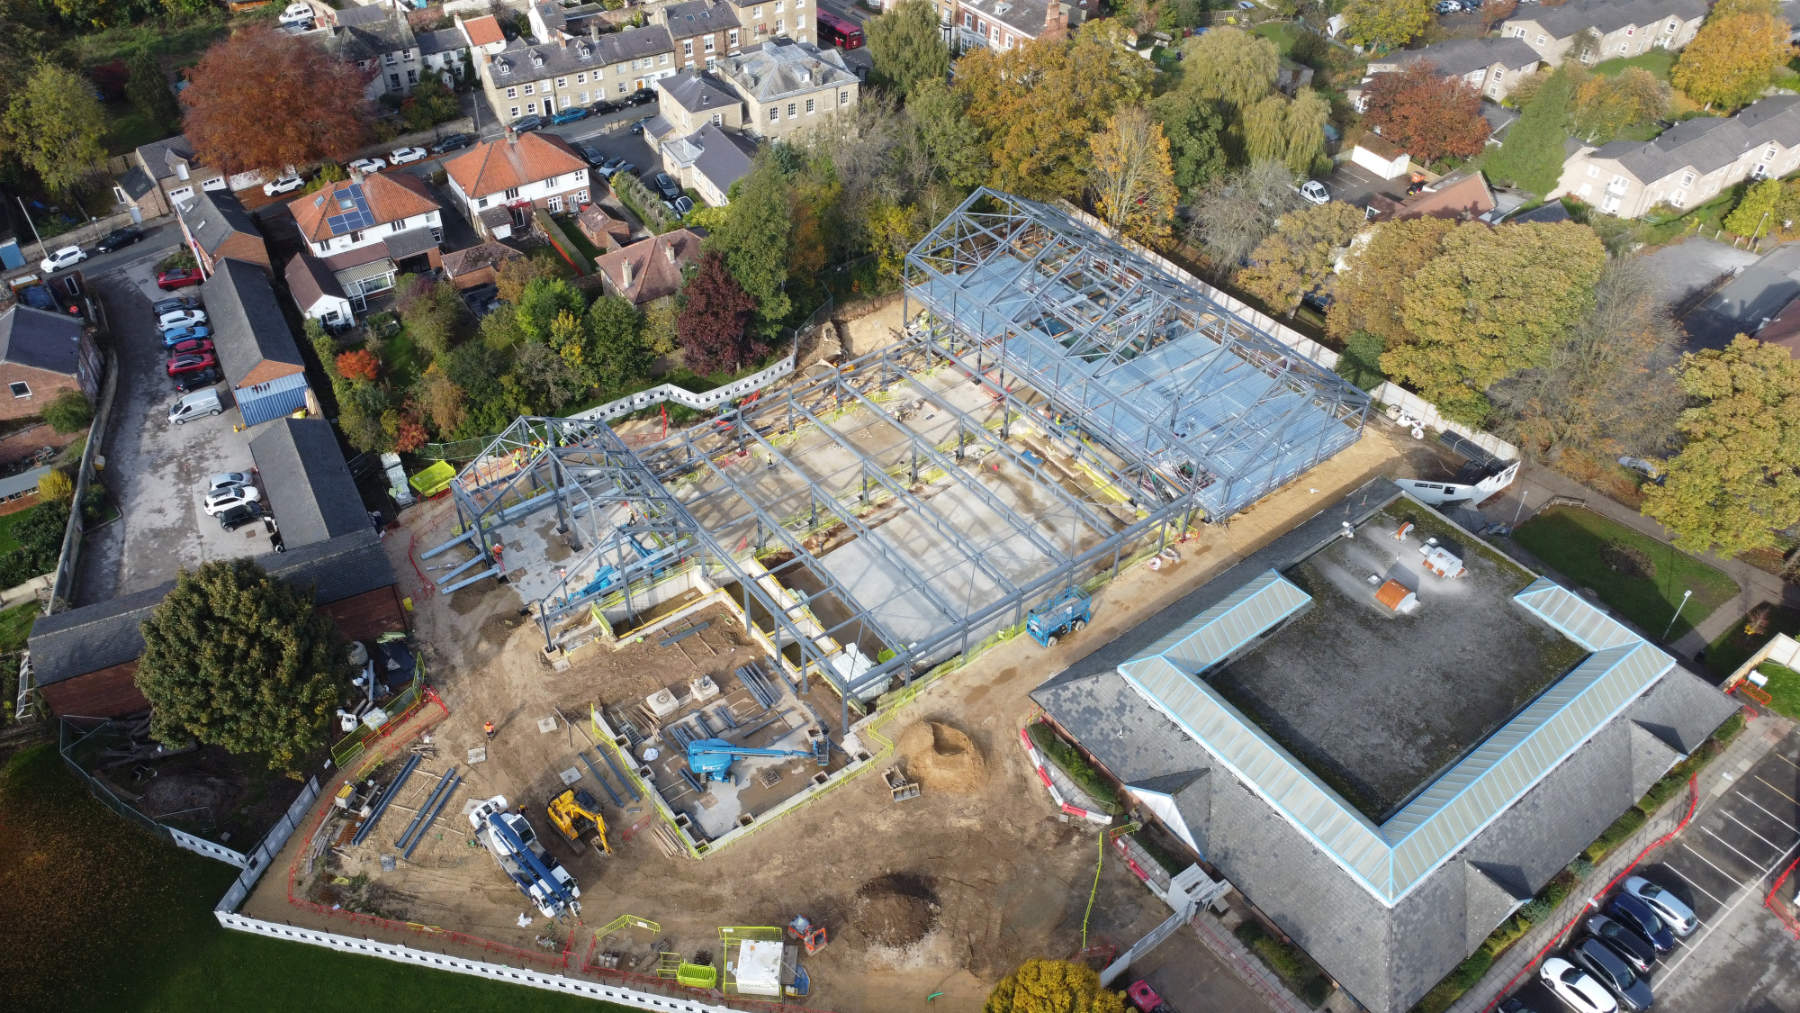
81,741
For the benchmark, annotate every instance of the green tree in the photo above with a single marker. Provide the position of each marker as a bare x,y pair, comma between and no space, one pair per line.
1305,120
1494,302
1385,24
907,46
1532,156
1300,255
1196,132
54,126
235,658
361,405
543,300
1371,292
148,89
1228,65
615,354
1134,188
429,104
1265,129
940,117
70,412
1755,208
1733,56
432,311
1737,478
1604,106
755,242
1053,986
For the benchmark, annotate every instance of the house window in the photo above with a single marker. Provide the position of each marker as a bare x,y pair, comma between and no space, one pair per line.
390,59
665,60
1540,38
780,26
581,196
790,110
396,227
481,203
809,107
412,77
759,10
731,38
393,80
968,20
1678,198
512,193
20,389
512,113
581,78
324,247
687,47
530,88
717,120
843,96
774,115
778,5
1769,152
512,93
710,43
554,203
582,98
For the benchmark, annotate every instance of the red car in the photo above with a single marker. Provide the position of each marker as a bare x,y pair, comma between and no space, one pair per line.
169,281
193,346
179,364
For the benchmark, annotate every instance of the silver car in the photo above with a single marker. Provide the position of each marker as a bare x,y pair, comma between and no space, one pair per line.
1671,909
220,500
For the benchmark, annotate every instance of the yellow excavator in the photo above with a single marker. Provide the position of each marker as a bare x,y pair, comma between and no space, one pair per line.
577,815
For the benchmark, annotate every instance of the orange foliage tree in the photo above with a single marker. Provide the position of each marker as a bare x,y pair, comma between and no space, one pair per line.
262,99
358,364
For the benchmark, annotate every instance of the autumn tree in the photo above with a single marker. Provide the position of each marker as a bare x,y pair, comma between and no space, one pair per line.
1604,106
1371,291
907,46
432,311
1754,209
1427,115
1608,387
1053,986
1733,56
54,126
1532,156
1495,301
755,241
1134,188
358,364
440,400
1300,254
248,110
515,274
712,327
543,300
236,658
1022,103
1233,216
1737,478
1385,24
55,486
1495,11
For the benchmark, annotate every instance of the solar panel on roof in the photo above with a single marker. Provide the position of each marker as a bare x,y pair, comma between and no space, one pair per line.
354,213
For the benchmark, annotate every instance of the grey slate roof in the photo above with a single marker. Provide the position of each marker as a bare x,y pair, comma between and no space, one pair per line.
783,67
214,216
1465,56
1607,16
515,62
692,18
697,91
1026,17
444,40
159,157
1706,143
136,182
305,482
1385,956
724,157
247,324
79,641
40,339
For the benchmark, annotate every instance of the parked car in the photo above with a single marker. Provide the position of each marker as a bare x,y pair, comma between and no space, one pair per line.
192,346
176,335
1630,911
666,186
285,184
610,168
118,239
1673,911
174,302
1313,192
1577,989
1613,971
641,97
68,256
240,515
180,318
637,127
680,206
452,142
1626,943
404,156
367,165
604,106
190,363
571,114
1449,6
194,404
526,124
590,154
217,501
226,479
169,281
197,380
1510,1004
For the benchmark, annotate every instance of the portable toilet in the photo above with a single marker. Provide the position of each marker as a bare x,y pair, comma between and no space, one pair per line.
1397,597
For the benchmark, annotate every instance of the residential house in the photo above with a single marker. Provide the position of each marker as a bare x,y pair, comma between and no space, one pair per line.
603,230
788,86
513,174
216,227
1688,164
1493,67
538,80
446,51
479,264
163,173
762,20
256,350
1462,199
43,354
709,160
691,99
315,290
365,210
379,40
484,34
1005,24
1619,27
649,269
702,32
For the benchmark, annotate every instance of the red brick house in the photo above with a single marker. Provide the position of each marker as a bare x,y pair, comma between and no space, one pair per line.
43,354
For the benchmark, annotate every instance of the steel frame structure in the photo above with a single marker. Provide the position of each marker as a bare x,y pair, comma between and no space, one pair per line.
1201,403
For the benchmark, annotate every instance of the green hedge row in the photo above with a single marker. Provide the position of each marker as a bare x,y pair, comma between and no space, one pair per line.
1069,760
638,199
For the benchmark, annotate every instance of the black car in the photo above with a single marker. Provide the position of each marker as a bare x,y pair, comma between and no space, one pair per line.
591,153
173,303
666,186
187,382
1628,944
526,124
1599,960
1512,1005
452,142
1636,915
606,105
240,515
641,97
118,239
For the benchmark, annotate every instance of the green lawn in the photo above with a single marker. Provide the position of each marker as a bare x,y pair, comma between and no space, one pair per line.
1656,61
15,625
1282,33
120,921
1783,688
1634,574
8,540
1735,646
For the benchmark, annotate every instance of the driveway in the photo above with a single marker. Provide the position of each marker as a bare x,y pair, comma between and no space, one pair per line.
1354,185
1756,294
152,469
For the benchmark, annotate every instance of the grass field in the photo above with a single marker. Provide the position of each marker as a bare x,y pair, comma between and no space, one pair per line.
1634,574
1783,688
1735,646
1657,61
120,921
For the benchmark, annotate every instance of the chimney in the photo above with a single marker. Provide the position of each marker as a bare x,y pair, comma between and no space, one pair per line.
669,251
625,269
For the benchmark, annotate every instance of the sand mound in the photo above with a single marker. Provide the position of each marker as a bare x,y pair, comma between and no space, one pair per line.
897,909
942,758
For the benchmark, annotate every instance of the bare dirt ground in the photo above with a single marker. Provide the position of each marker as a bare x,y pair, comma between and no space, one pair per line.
945,893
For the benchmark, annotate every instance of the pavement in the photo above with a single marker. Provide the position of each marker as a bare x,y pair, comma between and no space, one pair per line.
1758,292
1684,271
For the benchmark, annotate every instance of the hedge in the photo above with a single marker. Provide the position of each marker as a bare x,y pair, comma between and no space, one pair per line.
638,199
1287,960
1459,981
1070,761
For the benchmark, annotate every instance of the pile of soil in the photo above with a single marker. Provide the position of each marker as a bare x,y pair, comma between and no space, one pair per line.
897,909
941,758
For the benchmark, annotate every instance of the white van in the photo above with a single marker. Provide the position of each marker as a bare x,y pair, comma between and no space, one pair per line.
192,406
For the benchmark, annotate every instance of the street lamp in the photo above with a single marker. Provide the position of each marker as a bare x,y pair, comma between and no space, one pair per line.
1685,595
1523,495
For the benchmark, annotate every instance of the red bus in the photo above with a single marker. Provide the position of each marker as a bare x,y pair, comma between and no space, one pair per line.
838,31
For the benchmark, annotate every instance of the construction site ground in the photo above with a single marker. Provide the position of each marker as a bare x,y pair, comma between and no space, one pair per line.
942,894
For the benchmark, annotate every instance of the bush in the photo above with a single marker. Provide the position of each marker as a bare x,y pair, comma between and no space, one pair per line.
1614,835
1070,761
570,250
70,412
1459,981
638,199
56,487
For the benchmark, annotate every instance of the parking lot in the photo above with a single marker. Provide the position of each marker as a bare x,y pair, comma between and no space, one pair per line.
1722,864
154,470
1354,185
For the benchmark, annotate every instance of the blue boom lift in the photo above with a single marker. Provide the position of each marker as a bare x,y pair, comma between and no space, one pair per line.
710,759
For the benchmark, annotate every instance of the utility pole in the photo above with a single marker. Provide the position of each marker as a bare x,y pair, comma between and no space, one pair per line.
42,250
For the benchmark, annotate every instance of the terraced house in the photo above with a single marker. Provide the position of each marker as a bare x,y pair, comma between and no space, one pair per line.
703,33
788,86
540,80
762,20
1612,28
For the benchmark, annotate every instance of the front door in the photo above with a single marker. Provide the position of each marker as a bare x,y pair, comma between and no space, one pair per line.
549,107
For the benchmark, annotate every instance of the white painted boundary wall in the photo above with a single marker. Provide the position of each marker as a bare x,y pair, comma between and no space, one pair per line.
460,965
681,395
202,846
1396,399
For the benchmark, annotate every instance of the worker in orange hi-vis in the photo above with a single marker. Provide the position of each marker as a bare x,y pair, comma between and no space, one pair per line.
488,727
